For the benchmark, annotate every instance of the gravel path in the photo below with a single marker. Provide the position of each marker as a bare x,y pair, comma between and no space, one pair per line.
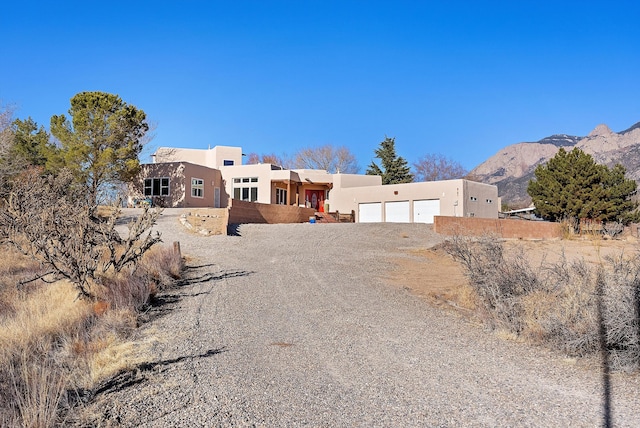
294,325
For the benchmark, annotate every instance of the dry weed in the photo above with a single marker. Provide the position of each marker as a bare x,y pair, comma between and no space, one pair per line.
52,343
49,312
557,304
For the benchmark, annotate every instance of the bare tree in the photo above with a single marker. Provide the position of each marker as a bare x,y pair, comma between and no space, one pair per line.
328,157
47,219
270,158
433,167
9,165
6,114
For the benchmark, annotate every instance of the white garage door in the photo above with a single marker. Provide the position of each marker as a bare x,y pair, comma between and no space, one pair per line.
370,213
424,210
396,212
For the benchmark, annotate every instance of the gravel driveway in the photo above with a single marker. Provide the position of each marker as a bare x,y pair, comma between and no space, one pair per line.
295,325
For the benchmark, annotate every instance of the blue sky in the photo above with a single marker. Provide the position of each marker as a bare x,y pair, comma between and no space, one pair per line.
458,78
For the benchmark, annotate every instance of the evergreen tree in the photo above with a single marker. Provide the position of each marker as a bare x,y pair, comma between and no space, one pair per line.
394,168
573,185
32,145
101,141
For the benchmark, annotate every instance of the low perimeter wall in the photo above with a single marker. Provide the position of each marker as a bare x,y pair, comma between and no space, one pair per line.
253,212
504,228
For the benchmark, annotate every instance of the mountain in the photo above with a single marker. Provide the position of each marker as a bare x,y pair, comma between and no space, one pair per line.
512,167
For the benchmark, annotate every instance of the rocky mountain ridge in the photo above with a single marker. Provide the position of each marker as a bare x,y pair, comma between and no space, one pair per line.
513,166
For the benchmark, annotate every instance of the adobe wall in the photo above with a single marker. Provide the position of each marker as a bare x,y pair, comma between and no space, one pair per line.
504,228
253,212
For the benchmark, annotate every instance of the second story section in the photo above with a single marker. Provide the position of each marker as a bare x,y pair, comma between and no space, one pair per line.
215,157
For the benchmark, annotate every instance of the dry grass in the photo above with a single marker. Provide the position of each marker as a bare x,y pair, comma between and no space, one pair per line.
565,304
52,343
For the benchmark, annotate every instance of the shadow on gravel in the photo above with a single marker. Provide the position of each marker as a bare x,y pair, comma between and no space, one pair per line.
233,230
212,277
163,303
139,373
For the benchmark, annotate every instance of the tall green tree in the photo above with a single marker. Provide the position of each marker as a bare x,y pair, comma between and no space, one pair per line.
573,185
395,169
32,144
101,140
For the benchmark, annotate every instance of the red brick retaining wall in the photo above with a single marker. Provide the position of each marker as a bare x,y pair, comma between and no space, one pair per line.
504,228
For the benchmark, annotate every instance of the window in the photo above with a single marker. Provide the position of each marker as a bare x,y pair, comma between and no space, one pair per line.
281,196
197,187
227,162
245,189
156,186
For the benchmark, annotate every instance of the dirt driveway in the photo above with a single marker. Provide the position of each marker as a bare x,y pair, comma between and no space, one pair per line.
300,325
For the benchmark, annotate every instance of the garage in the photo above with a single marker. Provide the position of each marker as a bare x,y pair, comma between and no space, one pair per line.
397,212
424,210
370,212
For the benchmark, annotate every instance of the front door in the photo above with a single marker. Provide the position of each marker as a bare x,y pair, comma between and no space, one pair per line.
314,198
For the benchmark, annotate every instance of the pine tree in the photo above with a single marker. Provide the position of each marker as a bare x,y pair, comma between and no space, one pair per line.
101,140
32,144
573,185
394,168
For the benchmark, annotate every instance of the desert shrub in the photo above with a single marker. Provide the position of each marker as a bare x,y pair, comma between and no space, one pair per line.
565,304
621,311
563,312
161,265
498,281
613,228
123,291
50,219
53,346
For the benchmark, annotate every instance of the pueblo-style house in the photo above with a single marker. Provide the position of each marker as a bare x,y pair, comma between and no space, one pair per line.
215,177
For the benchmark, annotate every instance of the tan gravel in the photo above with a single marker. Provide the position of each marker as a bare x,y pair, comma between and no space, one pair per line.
299,325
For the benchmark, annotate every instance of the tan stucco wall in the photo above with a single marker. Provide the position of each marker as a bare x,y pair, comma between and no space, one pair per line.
213,158
170,154
218,154
504,228
261,171
180,174
453,196
314,176
249,212
212,179
356,180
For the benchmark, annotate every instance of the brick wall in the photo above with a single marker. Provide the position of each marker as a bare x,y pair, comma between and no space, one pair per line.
505,228
253,212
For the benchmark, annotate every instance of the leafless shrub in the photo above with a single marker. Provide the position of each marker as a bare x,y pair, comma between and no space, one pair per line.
124,291
162,265
499,282
44,332
621,303
50,219
564,313
558,303
570,226
613,228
